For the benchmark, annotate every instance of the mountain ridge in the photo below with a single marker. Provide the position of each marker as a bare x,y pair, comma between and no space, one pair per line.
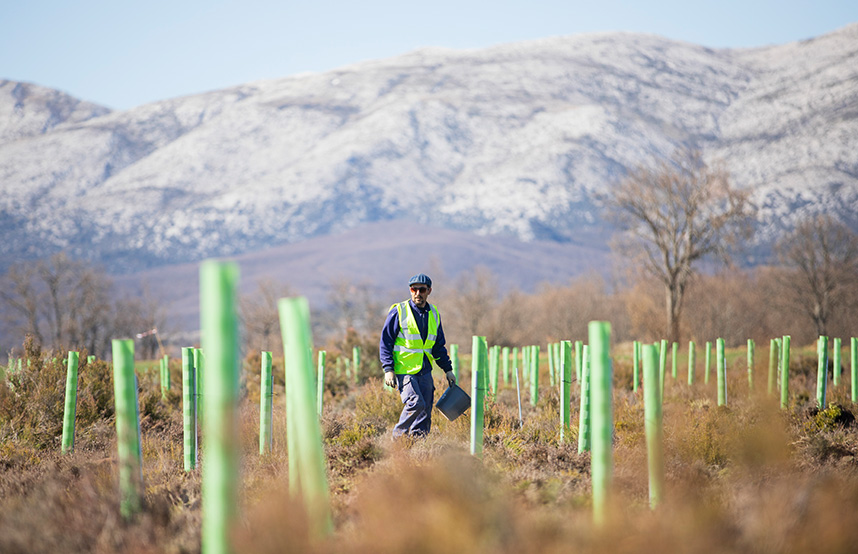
515,140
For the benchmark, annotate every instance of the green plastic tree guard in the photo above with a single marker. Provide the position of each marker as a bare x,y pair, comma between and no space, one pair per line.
707,362
514,360
835,356
674,349
220,471
454,359
551,364
534,375
579,353
320,381
189,408
653,426
525,362
853,351
750,365
662,365
199,381
785,371
266,401
773,357
71,402
494,368
308,447
479,361
565,358
584,407
165,376
821,370
601,459
721,372
692,361
505,364
127,427
356,363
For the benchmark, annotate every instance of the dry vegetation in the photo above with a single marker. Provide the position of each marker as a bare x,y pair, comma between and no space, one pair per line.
743,478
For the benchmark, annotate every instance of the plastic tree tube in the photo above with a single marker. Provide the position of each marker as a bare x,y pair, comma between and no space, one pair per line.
356,363
552,365
579,353
525,362
127,427
773,356
835,356
821,371
494,368
653,426
662,365
505,364
165,376
534,375
265,403
584,408
707,362
750,365
785,371
515,358
199,381
721,372
853,354
601,460
189,408
479,361
565,358
320,381
454,359
71,402
220,475
558,377
307,447
692,360
674,350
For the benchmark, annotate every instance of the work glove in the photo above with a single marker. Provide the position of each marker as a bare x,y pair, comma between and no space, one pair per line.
451,378
390,379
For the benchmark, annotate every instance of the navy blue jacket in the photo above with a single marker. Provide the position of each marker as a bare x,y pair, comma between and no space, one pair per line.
391,330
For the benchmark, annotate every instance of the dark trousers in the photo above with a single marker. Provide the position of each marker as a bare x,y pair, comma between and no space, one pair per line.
418,396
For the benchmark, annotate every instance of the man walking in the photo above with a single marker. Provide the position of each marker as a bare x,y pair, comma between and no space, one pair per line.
412,337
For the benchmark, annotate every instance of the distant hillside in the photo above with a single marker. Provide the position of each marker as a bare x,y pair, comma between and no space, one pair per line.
510,141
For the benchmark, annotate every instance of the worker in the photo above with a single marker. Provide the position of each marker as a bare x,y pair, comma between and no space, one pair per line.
411,339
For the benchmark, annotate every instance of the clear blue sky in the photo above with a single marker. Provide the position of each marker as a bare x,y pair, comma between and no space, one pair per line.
123,53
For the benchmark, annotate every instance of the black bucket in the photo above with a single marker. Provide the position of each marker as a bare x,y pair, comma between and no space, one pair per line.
454,402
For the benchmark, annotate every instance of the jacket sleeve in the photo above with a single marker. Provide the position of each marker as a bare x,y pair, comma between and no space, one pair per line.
388,335
439,351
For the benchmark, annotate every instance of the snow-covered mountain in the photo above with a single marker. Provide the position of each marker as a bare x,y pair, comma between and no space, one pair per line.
512,140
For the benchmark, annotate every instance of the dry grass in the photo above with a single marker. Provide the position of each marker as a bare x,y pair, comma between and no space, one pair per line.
748,477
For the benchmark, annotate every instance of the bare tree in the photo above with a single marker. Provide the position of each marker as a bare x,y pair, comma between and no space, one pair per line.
20,294
259,316
674,214
471,307
63,302
821,256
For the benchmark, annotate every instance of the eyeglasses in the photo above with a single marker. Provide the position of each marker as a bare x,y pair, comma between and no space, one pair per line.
419,289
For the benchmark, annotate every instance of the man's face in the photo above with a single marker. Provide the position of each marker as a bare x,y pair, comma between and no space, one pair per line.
419,294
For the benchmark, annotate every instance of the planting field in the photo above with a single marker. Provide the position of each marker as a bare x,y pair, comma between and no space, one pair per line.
748,476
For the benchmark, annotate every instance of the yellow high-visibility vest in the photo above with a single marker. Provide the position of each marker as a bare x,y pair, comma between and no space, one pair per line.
409,348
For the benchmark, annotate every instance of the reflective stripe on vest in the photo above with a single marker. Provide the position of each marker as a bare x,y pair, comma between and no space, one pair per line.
409,348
